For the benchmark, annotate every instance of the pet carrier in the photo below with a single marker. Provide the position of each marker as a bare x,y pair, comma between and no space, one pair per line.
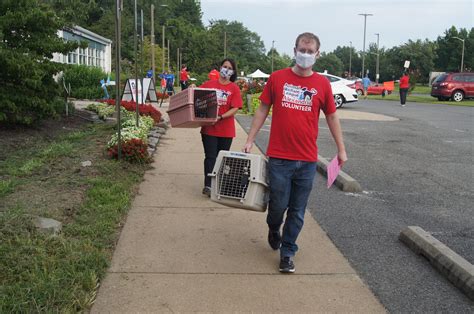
193,107
239,180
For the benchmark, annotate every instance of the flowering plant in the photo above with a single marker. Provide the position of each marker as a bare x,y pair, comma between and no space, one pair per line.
133,150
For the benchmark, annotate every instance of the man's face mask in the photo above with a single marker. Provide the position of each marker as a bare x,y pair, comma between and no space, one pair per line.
305,60
226,73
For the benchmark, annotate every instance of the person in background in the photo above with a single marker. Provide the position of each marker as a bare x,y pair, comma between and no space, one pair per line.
184,77
213,75
404,85
366,84
169,83
296,95
219,136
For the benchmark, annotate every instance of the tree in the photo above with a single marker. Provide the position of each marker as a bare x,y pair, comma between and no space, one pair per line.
27,42
449,50
349,56
329,62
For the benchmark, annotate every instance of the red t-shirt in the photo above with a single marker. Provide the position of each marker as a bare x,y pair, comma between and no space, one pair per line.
404,81
183,75
228,96
213,75
296,102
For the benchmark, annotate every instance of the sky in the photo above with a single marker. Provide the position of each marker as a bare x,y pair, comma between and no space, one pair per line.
337,22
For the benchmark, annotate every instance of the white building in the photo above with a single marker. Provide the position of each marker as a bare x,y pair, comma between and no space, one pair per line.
97,54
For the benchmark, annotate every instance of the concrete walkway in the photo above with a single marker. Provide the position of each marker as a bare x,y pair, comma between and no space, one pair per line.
180,252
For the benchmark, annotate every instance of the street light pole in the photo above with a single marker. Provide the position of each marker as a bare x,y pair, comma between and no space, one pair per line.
273,43
136,65
168,49
363,47
350,59
462,55
377,66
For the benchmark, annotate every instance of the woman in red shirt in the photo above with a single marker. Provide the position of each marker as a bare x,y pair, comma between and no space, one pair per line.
404,85
219,136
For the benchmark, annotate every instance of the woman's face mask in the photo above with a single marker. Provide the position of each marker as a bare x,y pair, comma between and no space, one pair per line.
226,73
305,60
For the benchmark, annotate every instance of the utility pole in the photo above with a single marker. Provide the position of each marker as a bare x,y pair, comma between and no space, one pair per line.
177,59
141,54
135,35
163,45
377,64
153,43
363,50
225,45
169,55
273,43
350,59
118,8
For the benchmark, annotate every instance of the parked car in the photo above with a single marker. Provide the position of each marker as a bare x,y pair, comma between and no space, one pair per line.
455,86
344,91
378,89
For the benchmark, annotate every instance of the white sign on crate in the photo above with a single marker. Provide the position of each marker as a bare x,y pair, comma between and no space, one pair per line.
149,92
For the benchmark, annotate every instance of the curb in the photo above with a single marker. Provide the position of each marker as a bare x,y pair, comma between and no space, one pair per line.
454,267
343,181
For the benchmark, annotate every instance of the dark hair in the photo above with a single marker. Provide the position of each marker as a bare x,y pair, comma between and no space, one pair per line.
308,36
233,77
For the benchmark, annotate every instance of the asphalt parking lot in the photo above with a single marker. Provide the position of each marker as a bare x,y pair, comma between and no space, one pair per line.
418,170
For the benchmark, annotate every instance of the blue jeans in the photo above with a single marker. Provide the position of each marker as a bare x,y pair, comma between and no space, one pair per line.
291,183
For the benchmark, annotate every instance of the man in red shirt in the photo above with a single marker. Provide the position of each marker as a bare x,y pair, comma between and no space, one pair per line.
297,96
183,77
404,85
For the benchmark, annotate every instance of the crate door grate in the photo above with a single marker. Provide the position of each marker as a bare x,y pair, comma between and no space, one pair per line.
233,177
205,104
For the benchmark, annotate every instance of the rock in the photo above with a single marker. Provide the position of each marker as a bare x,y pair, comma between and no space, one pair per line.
151,151
48,225
152,141
154,134
161,130
163,125
86,163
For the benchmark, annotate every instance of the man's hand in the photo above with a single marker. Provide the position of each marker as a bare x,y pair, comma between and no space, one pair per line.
247,147
342,158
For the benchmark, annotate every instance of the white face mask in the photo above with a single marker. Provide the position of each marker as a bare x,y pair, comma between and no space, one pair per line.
305,60
226,73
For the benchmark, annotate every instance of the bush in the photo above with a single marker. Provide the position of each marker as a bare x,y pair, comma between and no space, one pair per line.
134,150
85,81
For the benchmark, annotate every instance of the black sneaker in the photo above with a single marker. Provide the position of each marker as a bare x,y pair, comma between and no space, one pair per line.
287,265
274,239
206,191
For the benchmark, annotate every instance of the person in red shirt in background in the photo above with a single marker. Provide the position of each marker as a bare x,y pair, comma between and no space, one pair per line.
183,77
296,95
219,136
404,85
213,75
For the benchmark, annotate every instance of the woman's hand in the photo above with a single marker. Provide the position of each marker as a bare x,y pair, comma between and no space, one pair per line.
247,147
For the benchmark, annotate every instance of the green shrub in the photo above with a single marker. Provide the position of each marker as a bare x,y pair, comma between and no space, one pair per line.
85,81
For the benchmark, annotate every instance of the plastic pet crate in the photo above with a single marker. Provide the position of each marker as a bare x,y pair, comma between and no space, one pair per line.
240,180
193,107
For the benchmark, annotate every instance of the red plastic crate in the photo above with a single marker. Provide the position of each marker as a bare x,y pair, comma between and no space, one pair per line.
193,107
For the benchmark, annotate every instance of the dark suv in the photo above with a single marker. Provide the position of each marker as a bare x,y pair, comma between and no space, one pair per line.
456,86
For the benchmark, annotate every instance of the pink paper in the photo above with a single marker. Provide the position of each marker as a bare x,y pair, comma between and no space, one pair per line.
333,170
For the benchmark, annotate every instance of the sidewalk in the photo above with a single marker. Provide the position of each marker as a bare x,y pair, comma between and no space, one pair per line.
181,252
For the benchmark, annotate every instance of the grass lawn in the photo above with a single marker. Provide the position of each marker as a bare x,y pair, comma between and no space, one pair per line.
423,99
41,174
